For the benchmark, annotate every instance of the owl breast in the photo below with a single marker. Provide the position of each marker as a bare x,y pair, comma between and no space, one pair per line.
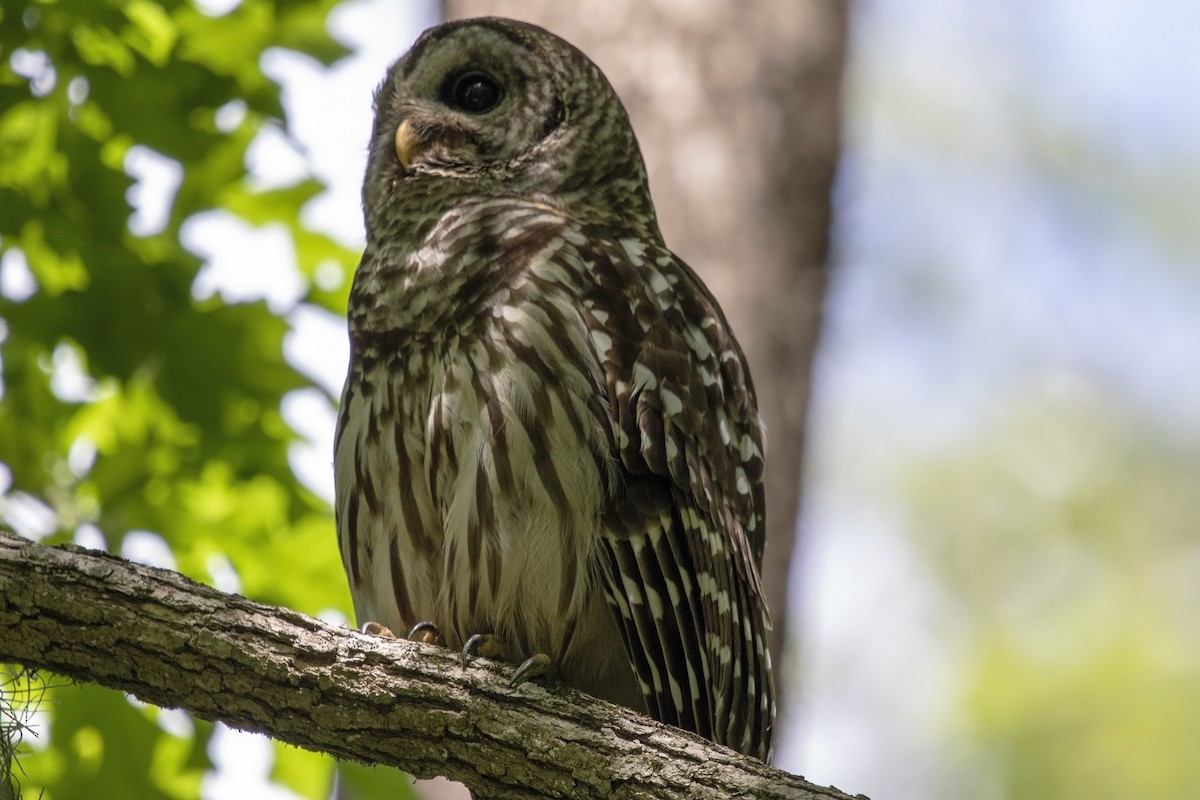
473,460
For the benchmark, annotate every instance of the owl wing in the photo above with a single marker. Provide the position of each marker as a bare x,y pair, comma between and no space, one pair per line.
685,528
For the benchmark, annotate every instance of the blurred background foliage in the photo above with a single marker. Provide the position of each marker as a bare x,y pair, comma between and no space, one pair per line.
1066,540
1000,597
998,587
134,406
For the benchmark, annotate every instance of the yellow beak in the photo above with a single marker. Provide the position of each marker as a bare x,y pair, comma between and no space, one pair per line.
407,144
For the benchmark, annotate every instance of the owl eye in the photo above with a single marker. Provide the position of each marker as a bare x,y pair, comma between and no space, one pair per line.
473,92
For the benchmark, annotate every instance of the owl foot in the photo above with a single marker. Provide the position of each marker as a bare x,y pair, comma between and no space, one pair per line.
426,633
375,629
488,645
535,666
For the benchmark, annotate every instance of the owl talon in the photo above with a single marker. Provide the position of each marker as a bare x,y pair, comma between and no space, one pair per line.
487,645
533,667
426,633
375,629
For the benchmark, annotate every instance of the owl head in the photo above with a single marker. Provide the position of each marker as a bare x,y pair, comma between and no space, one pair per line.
490,107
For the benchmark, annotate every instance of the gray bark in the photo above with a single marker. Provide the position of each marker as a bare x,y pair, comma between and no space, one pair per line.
172,642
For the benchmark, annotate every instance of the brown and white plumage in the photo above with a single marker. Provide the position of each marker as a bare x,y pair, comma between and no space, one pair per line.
548,432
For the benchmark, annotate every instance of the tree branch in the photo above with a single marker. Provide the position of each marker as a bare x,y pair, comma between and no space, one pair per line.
173,642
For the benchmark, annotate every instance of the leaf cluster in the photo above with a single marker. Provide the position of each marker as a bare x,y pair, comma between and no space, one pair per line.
130,402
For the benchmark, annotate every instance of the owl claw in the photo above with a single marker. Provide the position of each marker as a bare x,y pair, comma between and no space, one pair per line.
533,667
487,645
375,629
426,633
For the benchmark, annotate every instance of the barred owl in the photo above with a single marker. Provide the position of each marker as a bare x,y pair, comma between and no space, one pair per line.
548,434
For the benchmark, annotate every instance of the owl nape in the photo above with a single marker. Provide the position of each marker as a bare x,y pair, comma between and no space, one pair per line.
548,444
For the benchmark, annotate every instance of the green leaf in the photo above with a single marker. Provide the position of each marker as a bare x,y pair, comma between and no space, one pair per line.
308,774
371,782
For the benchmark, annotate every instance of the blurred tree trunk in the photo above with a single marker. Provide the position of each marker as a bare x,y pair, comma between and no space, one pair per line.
736,107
